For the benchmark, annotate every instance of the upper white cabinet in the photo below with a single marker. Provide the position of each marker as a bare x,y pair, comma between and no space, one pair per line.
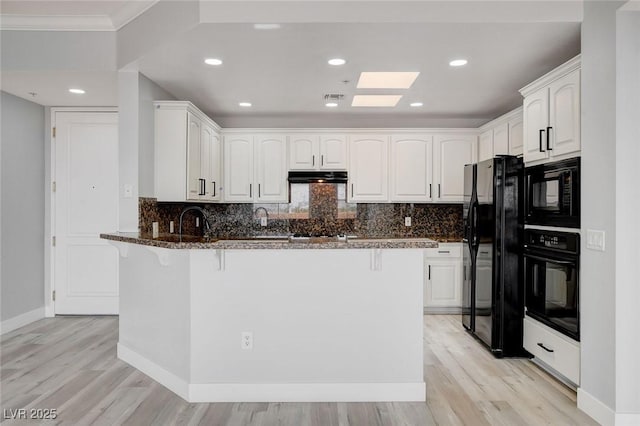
255,168
317,152
551,110
502,136
186,154
368,169
451,153
411,168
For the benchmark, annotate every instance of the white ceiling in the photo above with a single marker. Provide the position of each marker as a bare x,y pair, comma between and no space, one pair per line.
284,72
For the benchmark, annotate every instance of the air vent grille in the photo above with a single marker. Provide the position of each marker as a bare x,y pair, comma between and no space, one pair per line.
333,97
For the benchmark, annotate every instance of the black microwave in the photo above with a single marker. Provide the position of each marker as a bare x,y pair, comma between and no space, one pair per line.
553,194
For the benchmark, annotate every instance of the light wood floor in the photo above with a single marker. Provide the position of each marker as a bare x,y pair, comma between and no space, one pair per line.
70,364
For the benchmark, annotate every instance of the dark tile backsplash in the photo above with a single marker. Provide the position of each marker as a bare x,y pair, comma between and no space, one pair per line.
439,221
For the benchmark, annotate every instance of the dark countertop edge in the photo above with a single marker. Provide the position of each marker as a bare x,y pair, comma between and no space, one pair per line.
388,243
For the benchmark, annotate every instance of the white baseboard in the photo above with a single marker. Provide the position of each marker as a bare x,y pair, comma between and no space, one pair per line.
595,408
274,392
16,322
627,419
167,379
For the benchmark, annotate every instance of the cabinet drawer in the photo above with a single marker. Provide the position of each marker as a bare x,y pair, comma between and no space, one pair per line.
445,250
565,357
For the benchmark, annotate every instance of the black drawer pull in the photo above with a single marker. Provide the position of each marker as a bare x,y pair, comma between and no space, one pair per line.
545,348
444,251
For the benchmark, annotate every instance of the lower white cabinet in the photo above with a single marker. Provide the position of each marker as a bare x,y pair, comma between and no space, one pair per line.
443,279
554,349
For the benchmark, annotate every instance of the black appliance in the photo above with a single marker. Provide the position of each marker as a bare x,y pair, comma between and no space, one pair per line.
553,194
493,289
317,177
551,279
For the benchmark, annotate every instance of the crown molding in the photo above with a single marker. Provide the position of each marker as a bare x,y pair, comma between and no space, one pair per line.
130,11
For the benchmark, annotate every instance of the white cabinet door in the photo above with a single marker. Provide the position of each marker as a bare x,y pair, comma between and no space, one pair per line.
194,137
303,152
369,168
411,168
501,140
443,286
451,153
485,145
271,169
564,114
516,137
535,115
333,152
214,177
206,139
238,168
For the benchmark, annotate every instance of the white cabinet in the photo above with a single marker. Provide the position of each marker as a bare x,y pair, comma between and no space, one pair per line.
551,110
317,152
255,168
516,138
451,153
368,169
501,139
502,136
186,154
485,145
411,168
443,279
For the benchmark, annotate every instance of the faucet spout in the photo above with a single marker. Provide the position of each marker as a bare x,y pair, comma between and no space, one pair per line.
207,225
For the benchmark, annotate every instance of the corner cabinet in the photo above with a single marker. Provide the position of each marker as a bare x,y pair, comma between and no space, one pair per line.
255,168
318,152
451,153
443,279
551,110
411,168
187,154
368,169
502,136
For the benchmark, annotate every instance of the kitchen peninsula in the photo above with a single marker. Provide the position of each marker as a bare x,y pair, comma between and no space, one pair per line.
275,320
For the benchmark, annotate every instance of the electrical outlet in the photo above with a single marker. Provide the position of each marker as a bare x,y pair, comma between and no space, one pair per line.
407,221
171,230
263,221
595,240
197,222
155,229
246,340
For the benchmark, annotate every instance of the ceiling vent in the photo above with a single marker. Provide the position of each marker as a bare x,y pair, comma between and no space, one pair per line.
335,97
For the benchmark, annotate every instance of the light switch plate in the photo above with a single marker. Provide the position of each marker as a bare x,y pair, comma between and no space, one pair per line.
595,240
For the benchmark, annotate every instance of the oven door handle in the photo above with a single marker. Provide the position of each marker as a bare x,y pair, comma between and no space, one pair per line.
549,259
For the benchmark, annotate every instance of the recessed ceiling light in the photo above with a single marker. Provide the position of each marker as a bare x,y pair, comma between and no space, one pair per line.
416,104
386,80
331,104
77,91
375,100
337,61
213,61
266,26
245,104
458,62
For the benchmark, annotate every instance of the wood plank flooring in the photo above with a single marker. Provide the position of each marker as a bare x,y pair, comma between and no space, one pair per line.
70,364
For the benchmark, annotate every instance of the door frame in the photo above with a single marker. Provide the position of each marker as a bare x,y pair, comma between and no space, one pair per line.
49,200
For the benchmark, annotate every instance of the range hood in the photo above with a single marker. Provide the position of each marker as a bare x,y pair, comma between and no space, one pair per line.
317,177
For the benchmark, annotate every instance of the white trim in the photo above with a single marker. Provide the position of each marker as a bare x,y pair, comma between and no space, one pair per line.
274,392
21,320
333,130
554,228
558,72
56,23
627,419
130,11
169,380
504,118
596,409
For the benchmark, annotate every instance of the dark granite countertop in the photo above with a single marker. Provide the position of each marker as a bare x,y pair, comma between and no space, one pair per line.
171,241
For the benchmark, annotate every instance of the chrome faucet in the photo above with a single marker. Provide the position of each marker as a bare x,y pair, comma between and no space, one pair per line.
207,226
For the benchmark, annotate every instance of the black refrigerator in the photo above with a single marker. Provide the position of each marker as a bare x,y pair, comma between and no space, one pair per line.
493,287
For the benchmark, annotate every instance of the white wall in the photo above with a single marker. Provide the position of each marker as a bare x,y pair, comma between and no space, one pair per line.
148,92
22,234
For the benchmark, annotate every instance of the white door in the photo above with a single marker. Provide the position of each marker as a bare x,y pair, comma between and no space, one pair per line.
333,152
451,153
443,284
411,168
271,169
485,145
564,114
303,152
85,205
369,169
238,168
536,116
195,185
516,137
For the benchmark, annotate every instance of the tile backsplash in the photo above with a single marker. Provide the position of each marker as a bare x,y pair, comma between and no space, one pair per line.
439,221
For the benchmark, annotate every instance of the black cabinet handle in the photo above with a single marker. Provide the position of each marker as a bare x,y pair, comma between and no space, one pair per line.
438,190
250,192
444,251
545,348
352,190
214,188
540,138
322,160
429,272
313,160
258,190
429,190
202,186
548,134
464,273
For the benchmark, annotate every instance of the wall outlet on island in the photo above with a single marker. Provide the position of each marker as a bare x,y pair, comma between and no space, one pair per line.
407,221
171,230
263,221
247,340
